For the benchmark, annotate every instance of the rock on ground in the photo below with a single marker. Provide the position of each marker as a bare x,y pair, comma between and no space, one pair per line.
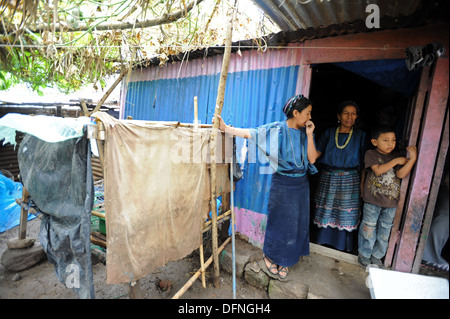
15,260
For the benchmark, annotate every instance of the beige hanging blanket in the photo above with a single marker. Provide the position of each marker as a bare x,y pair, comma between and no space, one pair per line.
155,186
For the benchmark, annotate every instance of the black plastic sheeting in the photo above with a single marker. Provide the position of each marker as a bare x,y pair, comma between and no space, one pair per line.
58,177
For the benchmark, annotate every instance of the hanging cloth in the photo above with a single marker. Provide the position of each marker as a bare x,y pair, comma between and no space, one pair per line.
154,196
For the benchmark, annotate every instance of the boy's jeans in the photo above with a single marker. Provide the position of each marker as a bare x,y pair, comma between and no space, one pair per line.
374,230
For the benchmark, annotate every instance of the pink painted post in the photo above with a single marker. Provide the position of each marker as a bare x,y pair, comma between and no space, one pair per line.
304,80
428,147
304,74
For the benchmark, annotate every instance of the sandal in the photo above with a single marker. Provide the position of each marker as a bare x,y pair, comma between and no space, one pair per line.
272,266
284,270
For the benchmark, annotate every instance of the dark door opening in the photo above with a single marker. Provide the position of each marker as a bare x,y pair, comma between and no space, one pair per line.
332,85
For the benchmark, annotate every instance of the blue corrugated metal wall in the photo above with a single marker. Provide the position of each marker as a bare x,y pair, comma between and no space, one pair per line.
252,98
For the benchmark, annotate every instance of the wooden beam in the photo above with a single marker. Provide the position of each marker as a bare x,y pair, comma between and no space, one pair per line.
387,44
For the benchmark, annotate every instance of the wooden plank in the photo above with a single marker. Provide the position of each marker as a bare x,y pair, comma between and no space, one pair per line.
413,134
421,183
333,253
438,175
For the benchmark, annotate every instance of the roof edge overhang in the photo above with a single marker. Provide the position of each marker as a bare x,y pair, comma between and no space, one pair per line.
284,38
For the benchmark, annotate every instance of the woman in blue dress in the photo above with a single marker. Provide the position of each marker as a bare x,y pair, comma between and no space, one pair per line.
287,232
337,200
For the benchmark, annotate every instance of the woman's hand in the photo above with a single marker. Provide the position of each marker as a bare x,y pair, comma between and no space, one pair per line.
241,132
222,125
309,127
312,152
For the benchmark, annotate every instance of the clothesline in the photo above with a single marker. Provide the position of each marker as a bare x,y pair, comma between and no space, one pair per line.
386,47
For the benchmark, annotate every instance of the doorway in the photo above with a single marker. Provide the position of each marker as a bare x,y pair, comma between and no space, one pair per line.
332,84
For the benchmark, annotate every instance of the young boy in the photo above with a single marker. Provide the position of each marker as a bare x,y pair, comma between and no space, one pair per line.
381,192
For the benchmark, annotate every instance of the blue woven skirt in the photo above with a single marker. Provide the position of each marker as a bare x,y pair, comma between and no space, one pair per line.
337,208
287,232
337,201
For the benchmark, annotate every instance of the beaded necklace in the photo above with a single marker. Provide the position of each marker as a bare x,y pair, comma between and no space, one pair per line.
293,151
346,142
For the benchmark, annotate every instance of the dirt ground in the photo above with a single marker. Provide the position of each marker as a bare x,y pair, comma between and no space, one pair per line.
326,277
40,281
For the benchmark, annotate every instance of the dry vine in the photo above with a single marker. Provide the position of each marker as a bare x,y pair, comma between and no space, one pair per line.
68,44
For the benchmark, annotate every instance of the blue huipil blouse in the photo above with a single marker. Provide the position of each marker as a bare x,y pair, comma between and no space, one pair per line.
285,148
351,156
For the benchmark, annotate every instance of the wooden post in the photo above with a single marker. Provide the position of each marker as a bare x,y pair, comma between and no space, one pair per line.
432,129
213,144
23,216
100,138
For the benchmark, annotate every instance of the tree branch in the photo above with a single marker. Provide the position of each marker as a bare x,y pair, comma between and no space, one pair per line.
105,96
164,19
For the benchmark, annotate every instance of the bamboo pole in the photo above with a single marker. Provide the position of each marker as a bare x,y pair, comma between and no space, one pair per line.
213,145
195,113
207,223
198,273
105,96
233,235
202,266
97,214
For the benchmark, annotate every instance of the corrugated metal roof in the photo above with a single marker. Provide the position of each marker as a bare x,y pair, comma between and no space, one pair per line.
303,14
328,18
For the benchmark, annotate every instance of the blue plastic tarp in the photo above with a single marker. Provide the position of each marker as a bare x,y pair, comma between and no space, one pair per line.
9,209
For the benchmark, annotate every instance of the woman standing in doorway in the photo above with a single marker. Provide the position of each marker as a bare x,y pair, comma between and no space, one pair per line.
337,200
287,232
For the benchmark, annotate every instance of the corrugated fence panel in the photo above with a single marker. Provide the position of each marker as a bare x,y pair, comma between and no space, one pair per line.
252,98
258,85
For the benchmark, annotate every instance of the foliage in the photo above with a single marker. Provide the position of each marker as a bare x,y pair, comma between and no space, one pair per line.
68,44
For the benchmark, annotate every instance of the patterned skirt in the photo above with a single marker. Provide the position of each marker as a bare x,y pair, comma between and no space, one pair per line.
337,201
